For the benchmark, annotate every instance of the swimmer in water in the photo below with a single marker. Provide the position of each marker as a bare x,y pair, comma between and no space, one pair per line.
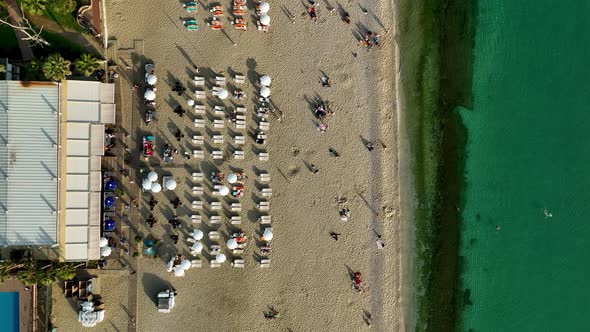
547,213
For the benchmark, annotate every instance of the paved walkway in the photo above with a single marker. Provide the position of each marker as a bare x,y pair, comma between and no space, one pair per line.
16,17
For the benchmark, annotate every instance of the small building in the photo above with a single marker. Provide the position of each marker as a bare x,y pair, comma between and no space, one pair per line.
52,138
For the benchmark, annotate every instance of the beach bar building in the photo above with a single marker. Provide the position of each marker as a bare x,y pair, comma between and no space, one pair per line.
52,138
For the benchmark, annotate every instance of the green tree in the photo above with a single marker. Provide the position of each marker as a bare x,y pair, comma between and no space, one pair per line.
56,68
34,6
2,68
87,64
62,6
33,70
7,268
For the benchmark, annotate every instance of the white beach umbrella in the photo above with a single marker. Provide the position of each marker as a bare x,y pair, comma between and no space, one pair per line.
220,258
151,79
103,242
265,80
265,92
105,251
170,184
178,271
265,19
264,7
232,178
147,184
197,234
267,235
149,95
170,264
156,187
153,176
232,244
222,94
223,190
185,264
197,247
190,102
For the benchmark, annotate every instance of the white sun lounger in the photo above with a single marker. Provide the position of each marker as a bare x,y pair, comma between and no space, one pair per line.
240,110
235,220
218,123
214,235
264,125
216,205
239,78
266,192
217,139
200,109
219,110
197,205
265,220
196,218
217,154
240,124
264,263
199,80
197,190
263,206
215,191
264,177
197,176
238,263
263,156
199,123
215,219
262,112
196,263
239,154
235,207
220,80
199,154
239,139
214,263
200,94
198,139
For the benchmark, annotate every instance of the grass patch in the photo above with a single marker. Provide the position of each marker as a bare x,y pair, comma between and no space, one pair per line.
66,21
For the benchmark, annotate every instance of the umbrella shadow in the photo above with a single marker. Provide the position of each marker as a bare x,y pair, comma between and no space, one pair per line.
152,285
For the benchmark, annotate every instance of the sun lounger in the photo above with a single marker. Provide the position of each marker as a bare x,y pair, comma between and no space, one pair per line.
264,125
238,263
266,192
200,109
235,220
200,94
219,110
197,190
196,263
239,11
198,139
262,112
217,139
214,235
215,206
216,10
197,176
199,80
239,139
263,156
235,207
198,154
240,124
239,2
191,240
218,123
215,219
239,79
197,205
264,263
261,137
214,263
265,220
219,80
261,27
239,154
195,218
217,154
263,206
264,177
199,123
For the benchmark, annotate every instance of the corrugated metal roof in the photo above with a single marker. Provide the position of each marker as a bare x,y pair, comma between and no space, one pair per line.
28,163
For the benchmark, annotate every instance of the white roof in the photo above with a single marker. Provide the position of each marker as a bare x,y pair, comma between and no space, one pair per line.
83,111
76,252
83,90
28,162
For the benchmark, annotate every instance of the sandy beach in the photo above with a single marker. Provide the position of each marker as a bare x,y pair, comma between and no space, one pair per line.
308,281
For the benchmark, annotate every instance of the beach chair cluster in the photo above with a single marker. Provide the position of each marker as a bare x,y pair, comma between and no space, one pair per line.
238,11
197,193
263,22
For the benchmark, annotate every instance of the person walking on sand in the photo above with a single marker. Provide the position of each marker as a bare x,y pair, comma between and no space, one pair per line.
334,153
334,235
314,169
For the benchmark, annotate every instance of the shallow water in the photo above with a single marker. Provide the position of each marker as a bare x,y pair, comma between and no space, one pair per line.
528,149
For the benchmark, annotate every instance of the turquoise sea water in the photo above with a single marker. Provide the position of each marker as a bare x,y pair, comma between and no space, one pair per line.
528,149
9,315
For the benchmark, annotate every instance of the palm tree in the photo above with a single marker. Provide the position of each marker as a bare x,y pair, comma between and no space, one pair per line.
6,269
56,68
33,6
33,70
87,64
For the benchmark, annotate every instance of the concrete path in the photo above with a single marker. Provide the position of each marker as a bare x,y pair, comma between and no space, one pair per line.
16,17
